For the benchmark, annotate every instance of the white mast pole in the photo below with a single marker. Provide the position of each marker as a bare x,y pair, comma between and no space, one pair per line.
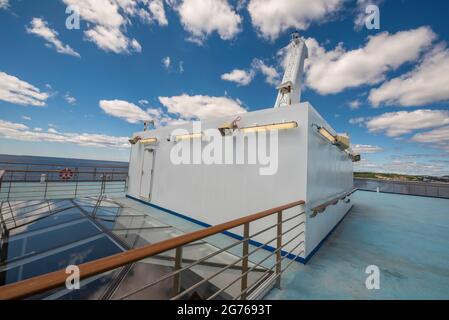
290,89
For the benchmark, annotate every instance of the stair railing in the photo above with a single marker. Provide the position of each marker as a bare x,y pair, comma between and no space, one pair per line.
273,265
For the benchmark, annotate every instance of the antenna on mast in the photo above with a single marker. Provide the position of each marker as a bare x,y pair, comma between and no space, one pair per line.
290,89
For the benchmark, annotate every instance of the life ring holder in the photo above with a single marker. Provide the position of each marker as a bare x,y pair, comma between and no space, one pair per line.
66,174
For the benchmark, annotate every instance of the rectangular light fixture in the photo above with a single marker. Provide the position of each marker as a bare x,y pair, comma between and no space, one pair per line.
149,141
343,142
326,134
188,136
274,126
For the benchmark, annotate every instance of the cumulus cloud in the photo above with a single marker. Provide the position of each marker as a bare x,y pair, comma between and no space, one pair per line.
18,131
70,100
124,110
244,77
366,148
358,121
354,105
39,27
330,72
4,4
17,91
204,17
107,21
439,138
272,17
272,76
201,107
155,12
241,77
427,83
395,124
166,62
401,166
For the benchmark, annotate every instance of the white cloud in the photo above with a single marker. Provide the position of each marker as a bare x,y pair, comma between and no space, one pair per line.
26,118
107,21
201,107
70,100
39,27
157,10
366,148
402,166
124,110
241,77
143,102
166,62
18,131
170,65
333,71
204,17
4,4
354,105
439,138
272,76
272,17
360,120
16,91
395,124
427,83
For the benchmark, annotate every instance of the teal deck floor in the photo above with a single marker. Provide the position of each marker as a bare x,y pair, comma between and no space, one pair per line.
407,237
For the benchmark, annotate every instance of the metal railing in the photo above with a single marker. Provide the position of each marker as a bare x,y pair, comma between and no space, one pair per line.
322,207
34,185
427,189
52,175
291,239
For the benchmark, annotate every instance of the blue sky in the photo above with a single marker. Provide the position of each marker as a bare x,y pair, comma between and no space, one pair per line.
79,93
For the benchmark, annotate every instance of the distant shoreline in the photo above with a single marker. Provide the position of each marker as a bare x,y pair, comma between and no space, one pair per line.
5,158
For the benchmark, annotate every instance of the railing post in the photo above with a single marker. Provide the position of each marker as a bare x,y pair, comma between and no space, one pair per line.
26,173
278,252
177,277
46,189
9,187
77,181
244,284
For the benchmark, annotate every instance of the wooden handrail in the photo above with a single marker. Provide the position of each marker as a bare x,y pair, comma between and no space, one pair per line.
53,280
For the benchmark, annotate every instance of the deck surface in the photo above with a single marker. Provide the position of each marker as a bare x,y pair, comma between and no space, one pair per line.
407,237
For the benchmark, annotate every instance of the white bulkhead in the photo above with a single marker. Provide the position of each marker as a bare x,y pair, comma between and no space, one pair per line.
309,168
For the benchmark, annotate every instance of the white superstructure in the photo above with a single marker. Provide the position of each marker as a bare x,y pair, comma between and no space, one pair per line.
309,166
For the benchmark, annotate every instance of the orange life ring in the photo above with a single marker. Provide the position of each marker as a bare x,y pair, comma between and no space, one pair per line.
66,174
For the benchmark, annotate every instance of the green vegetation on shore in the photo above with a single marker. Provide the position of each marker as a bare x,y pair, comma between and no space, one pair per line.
396,177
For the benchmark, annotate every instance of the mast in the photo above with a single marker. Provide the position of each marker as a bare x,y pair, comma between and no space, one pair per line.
290,89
